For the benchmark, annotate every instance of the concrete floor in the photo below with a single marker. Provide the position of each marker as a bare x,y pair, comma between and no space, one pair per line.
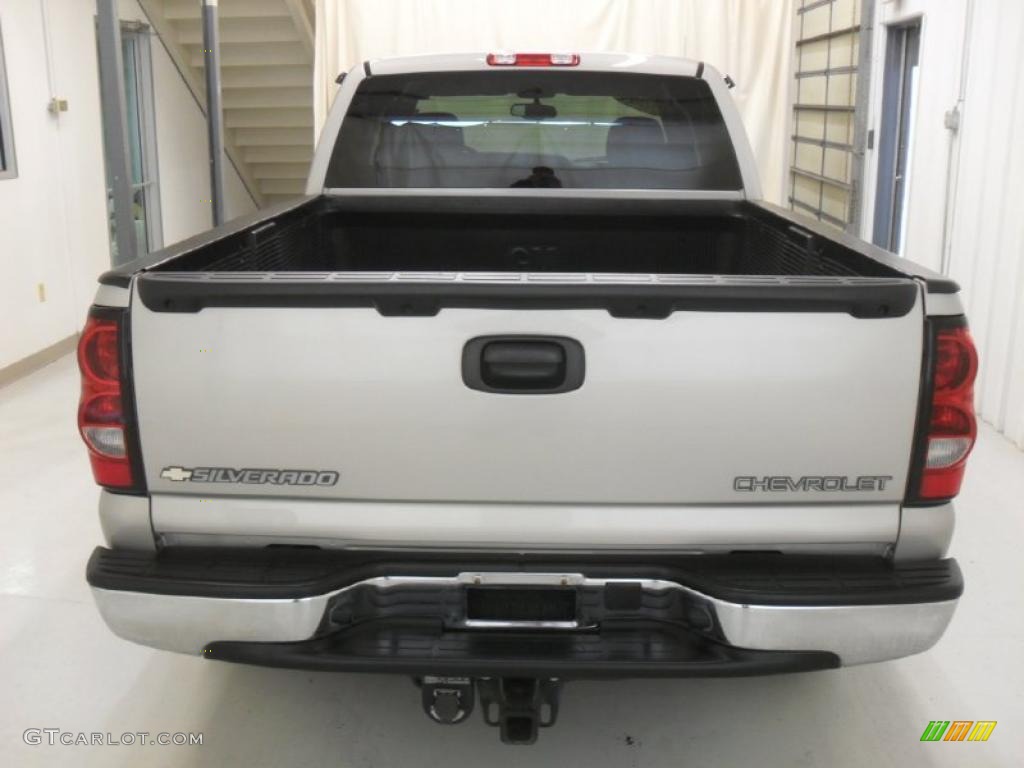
61,668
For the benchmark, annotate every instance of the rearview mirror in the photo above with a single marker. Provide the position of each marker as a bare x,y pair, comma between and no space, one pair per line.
534,110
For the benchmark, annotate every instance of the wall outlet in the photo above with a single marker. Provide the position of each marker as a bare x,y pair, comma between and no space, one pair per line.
41,292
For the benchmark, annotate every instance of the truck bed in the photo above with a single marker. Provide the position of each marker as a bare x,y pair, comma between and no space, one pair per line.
692,238
635,258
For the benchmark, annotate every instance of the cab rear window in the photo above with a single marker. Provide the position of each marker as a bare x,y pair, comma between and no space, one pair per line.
538,128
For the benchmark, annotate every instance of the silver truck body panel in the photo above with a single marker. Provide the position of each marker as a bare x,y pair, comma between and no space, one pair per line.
804,528
667,416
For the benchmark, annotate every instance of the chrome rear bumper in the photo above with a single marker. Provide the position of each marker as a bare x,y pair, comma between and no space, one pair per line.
855,633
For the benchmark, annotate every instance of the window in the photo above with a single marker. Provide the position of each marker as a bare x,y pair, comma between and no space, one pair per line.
827,137
8,168
141,139
534,129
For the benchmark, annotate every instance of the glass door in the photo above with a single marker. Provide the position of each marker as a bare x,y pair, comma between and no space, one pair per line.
141,138
898,97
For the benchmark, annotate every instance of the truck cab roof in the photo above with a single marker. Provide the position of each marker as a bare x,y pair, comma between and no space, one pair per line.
592,62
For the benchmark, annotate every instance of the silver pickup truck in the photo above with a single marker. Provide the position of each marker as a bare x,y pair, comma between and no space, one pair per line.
530,387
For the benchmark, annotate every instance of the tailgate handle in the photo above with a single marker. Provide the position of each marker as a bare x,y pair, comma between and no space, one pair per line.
523,365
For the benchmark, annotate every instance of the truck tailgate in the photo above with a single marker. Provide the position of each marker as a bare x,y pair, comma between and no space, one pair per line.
697,408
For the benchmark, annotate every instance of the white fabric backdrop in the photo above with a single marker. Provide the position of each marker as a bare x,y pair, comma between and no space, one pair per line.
751,40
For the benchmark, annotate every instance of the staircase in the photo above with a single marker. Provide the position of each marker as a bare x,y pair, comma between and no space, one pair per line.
266,49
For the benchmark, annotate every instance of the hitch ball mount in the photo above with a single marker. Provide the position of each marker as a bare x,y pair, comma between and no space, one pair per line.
517,706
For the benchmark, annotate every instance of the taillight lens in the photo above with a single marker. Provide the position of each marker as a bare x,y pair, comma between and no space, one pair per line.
533,59
101,413
951,427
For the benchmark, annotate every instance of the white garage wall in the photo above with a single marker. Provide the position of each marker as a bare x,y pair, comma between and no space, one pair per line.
942,37
986,242
751,40
965,207
53,227
53,215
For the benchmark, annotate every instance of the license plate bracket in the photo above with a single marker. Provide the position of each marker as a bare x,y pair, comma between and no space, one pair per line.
522,606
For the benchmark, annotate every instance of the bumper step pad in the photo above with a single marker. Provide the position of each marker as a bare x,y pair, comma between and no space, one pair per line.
292,572
633,649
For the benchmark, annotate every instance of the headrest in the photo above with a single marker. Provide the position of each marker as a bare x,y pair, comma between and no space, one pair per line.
636,130
435,123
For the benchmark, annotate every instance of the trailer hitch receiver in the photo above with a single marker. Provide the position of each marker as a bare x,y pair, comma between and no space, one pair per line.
518,706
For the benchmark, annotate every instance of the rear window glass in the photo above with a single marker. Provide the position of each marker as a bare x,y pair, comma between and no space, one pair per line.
534,128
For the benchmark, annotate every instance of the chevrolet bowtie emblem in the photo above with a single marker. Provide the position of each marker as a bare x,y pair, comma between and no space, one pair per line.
176,474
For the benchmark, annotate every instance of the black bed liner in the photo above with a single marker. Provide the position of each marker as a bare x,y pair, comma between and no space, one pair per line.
727,238
638,258
192,292
352,232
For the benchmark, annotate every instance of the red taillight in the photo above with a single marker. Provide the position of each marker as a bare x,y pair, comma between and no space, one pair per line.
101,414
533,59
951,427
